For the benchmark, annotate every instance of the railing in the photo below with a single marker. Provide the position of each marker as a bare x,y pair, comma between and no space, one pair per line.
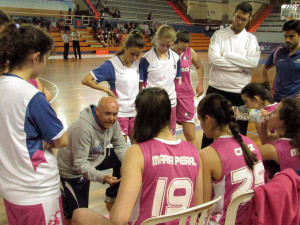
89,18
86,21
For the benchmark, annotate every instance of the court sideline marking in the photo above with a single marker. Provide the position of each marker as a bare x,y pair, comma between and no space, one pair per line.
55,86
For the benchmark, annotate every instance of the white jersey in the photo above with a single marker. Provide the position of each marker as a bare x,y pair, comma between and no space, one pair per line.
28,173
161,73
75,36
66,38
232,56
124,82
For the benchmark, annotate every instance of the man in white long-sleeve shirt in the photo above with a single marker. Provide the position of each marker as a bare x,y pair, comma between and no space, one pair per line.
233,53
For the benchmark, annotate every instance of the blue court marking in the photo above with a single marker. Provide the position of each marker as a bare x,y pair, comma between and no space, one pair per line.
252,133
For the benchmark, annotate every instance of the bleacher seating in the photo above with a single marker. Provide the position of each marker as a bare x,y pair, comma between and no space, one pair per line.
139,9
271,29
88,44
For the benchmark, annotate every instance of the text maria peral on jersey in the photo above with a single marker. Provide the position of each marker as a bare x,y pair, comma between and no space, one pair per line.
173,160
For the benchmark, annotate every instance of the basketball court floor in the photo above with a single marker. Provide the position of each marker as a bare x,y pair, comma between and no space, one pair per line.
63,79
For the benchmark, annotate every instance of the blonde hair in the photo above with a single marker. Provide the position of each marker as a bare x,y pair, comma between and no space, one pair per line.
166,32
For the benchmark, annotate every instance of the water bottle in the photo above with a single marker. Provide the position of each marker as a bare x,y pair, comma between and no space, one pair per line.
243,113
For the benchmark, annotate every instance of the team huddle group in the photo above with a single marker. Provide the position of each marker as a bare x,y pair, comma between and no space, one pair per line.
158,173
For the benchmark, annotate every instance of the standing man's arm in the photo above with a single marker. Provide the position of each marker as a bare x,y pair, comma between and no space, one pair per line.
248,61
269,63
118,141
265,74
200,72
215,55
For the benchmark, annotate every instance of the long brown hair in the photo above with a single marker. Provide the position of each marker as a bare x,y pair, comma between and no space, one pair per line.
153,108
290,114
16,44
218,107
134,39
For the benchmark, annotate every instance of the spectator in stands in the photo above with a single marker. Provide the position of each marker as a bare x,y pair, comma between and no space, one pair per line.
115,38
76,43
101,21
117,13
67,27
66,40
109,38
35,21
4,19
98,5
53,25
130,27
105,35
106,9
108,25
70,14
94,24
60,25
140,28
26,20
150,17
233,53
101,38
286,60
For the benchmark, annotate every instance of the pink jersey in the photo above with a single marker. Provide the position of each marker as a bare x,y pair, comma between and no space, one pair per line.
33,82
271,108
236,178
169,178
184,89
288,156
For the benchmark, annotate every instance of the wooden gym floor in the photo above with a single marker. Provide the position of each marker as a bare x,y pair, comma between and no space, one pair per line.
63,79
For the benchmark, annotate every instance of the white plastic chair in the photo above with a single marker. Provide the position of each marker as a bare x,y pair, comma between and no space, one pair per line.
205,210
233,207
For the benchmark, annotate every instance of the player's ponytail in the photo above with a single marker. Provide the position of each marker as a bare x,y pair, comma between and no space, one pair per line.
216,106
183,36
262,90
18,42
133,40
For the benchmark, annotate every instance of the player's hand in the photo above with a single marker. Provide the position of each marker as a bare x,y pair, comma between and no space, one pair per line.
110,93
298,96
48,145
266,115
47,94
111,180
199,90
